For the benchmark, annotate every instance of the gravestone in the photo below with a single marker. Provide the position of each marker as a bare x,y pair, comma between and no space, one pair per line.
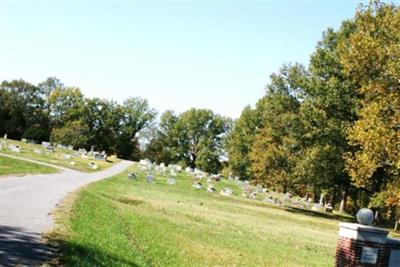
150,178
67,156
37,151
46,144
99,156
211,189
171,181
269,199
93,165
15,148
226,192
24,140
328,208
5,136
216,177
197,185
72,163
131,175
252,195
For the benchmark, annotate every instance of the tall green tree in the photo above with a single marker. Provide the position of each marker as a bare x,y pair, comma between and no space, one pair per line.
23,111
163,146
200,130
66,104
135,116
239,144
274,150
371,57
194,138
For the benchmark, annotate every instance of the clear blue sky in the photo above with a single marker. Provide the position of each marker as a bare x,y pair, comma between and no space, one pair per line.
176,54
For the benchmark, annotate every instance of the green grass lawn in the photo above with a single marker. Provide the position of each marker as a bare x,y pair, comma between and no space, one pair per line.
9,166
121,222
57,157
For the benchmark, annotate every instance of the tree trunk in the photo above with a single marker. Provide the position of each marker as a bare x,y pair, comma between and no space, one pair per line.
343,202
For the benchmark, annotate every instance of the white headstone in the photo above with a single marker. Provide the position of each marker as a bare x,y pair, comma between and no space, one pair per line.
46,144
197,185
211,188
226,192
171,181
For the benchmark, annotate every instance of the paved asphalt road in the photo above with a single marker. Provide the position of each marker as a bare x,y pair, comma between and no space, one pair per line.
25,206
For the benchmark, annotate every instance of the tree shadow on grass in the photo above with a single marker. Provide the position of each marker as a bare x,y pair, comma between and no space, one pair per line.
21,247
73,254
320,214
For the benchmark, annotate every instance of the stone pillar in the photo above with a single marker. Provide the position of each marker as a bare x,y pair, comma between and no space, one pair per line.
362,245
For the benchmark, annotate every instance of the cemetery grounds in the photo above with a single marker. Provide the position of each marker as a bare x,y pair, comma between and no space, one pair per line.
60,156
131,222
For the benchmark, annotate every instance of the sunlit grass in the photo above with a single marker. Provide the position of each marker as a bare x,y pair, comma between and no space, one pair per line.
9,166
122,222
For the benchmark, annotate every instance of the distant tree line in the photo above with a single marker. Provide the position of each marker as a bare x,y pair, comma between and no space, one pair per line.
63,115
330,128
51,111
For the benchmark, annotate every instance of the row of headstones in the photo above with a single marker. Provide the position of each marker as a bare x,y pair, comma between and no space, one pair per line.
252,193
150,178
211,189
12,148
161,169
303,203
146,165
18,149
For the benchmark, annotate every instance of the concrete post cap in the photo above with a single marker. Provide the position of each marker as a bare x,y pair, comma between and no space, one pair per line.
365,216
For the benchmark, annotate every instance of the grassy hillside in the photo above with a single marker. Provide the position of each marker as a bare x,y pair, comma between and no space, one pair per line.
122,222
9,166
57,157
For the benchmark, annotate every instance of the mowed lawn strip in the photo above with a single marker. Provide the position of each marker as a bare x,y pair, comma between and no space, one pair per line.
57,157
122,222
9,166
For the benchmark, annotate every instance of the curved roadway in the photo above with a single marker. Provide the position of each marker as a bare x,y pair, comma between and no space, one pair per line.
25,210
